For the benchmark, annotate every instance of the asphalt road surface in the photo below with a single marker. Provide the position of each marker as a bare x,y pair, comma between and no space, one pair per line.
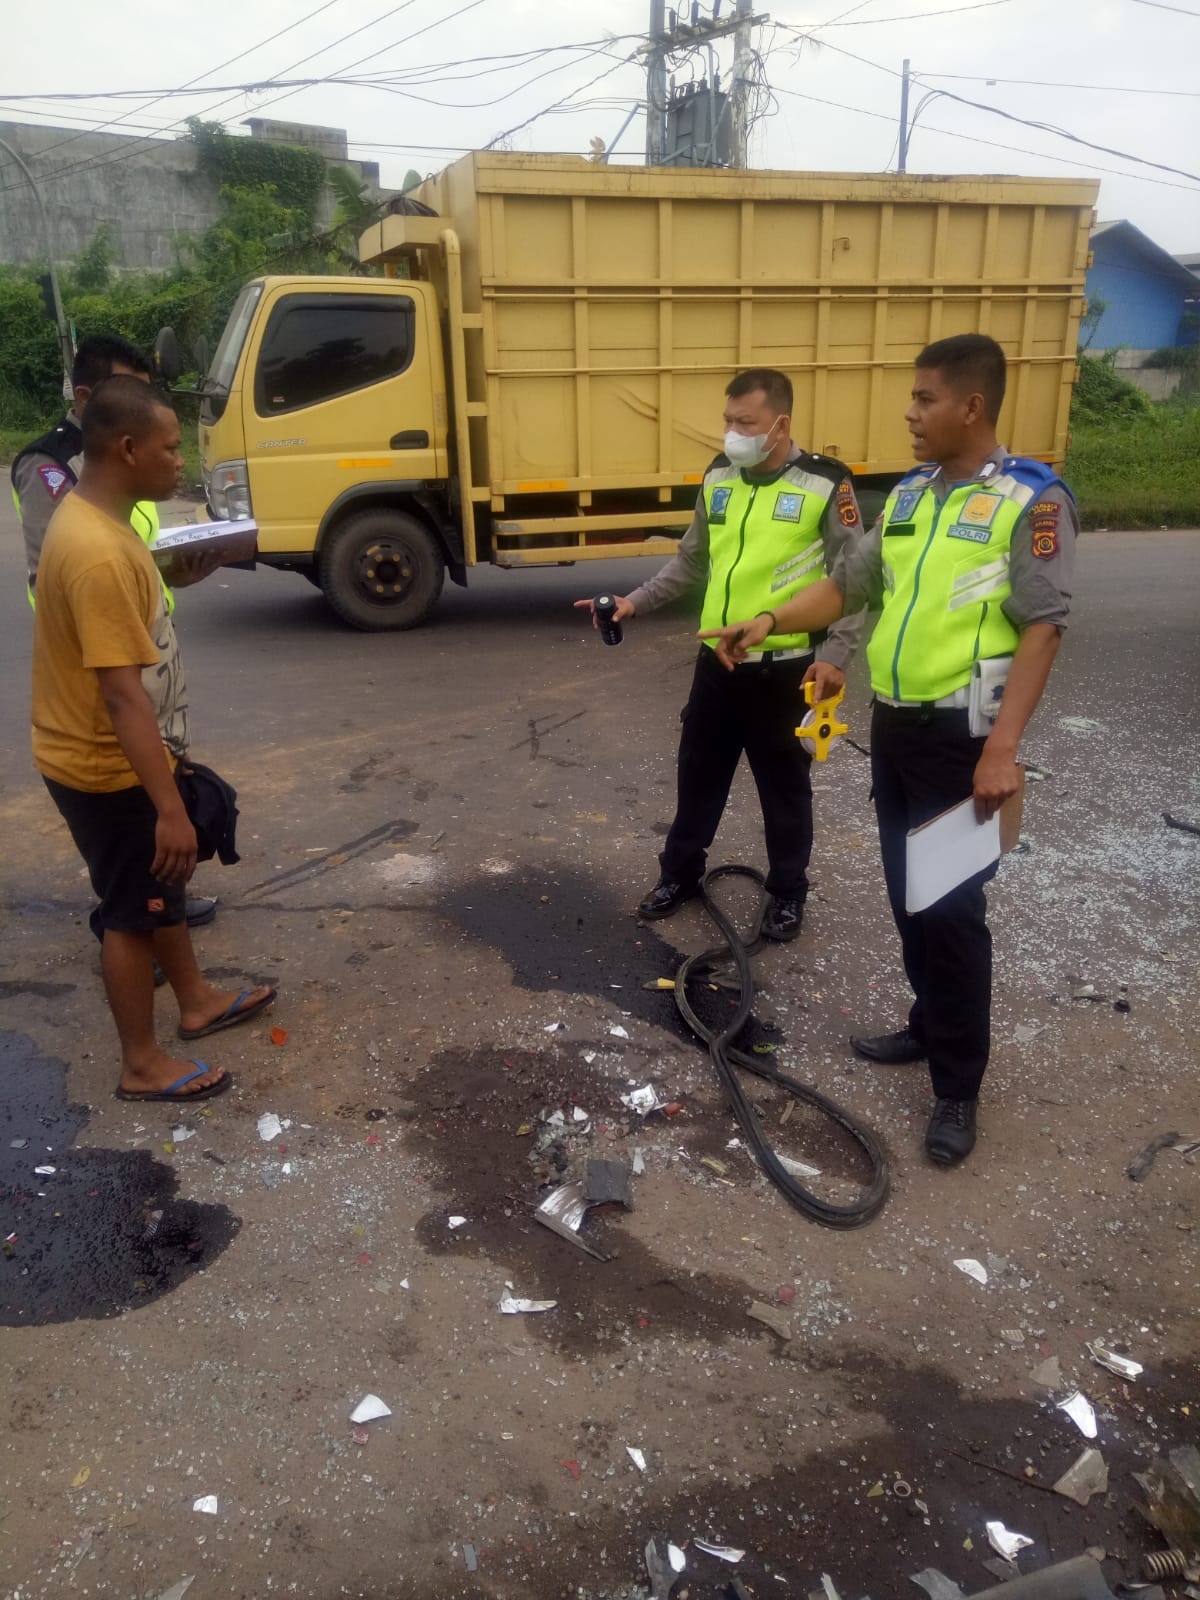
443,835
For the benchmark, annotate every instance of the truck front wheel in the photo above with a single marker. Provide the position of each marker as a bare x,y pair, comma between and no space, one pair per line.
381,569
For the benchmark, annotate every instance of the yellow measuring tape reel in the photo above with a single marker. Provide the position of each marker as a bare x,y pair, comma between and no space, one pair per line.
820,726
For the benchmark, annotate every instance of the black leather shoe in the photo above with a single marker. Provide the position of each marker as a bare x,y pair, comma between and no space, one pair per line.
666,897
890,1049
784,918
200,911
950,1135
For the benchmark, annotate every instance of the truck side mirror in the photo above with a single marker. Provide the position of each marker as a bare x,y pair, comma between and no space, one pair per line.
201,357
166,355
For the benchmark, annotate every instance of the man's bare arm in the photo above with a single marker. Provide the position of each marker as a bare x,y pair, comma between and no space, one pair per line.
813,608
136,728
996,776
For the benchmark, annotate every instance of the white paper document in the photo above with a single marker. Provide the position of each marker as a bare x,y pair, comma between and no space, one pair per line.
946,852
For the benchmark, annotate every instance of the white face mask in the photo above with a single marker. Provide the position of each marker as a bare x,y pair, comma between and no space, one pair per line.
747,449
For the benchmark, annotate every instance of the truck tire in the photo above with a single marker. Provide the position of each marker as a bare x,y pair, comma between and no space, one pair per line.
381,569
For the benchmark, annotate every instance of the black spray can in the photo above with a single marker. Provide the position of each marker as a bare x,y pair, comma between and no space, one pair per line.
604,606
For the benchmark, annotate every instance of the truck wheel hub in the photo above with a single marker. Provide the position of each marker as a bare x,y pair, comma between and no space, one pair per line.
385,570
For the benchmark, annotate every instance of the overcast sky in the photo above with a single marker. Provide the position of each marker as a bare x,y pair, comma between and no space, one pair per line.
835,106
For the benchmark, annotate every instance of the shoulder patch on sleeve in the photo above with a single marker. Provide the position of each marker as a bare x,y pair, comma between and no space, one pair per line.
1043,528
847,505
56,479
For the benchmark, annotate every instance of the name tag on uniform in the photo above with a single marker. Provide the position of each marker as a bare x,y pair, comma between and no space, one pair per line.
980,510
906,504
964,530
899,530
787,508
720,502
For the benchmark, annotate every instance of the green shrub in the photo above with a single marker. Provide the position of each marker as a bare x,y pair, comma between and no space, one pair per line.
1102,396
1140,471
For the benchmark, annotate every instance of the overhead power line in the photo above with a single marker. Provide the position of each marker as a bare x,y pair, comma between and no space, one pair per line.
912,16
1009,116
1159,6
1042,83
373,55
972,138
228,62
422,71
1065,133
97,163
516,128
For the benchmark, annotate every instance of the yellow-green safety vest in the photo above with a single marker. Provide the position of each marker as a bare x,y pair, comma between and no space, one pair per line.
143,519
946,577
764,541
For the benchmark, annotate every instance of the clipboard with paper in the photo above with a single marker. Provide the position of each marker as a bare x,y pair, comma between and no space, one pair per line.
954,846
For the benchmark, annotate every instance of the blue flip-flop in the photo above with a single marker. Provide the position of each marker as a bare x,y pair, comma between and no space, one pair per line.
171,1092
237,1013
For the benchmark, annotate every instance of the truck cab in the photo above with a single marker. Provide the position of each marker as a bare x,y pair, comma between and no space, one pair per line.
324,417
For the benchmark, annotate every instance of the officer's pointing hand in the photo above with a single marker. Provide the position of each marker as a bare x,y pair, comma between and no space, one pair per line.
738,639
625,608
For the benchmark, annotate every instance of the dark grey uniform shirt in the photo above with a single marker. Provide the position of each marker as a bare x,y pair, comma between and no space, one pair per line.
1041,558
41,486
689,566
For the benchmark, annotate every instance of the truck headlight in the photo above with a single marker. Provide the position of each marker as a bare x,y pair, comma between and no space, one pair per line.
229,491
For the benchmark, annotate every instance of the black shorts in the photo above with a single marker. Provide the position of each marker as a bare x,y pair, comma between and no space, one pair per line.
114,833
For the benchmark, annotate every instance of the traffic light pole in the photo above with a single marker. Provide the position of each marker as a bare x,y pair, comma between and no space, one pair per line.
60,315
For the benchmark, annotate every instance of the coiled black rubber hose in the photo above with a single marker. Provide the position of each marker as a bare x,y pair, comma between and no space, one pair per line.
727,1059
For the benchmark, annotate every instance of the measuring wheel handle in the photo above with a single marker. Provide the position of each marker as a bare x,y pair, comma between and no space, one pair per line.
821,726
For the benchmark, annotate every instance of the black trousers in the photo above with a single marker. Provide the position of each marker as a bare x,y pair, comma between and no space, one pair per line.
923,762
755,709
114,832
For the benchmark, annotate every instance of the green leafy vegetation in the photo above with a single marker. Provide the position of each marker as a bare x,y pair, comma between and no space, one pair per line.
269,195
1140,471
291,174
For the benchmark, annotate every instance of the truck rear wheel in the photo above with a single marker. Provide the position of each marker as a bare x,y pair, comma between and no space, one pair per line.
381,569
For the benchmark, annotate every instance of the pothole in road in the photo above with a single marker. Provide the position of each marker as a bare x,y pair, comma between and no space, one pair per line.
106,1230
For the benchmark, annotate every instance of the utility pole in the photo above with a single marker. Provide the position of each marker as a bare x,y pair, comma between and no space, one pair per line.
656,86
740,89
902,164
60,316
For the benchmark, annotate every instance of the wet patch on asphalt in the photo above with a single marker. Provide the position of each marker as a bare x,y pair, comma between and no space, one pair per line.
869,1511
564,932
14,989
102,1233
468,1109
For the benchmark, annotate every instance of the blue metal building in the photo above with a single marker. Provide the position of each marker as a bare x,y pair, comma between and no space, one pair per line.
1144,288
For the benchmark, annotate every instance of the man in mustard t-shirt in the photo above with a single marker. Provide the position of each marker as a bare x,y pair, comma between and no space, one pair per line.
45,472
110,726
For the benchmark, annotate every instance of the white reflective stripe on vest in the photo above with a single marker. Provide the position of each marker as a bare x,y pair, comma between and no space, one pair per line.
797,567
1012,489
969,588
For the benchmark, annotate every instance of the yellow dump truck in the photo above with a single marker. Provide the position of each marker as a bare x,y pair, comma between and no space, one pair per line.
538,376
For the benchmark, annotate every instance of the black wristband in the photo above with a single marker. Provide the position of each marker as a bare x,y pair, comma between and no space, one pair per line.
773,617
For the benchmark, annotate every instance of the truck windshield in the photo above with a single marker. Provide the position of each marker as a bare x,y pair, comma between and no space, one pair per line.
220,375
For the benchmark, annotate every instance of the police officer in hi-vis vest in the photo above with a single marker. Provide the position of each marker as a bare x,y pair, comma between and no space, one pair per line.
770,521
971,562
46,470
